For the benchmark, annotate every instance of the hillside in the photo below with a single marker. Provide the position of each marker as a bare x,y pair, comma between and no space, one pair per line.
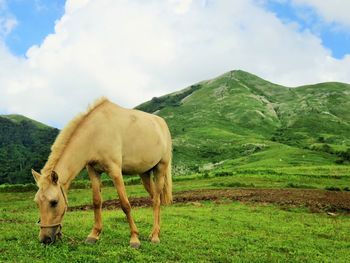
243,120
24,144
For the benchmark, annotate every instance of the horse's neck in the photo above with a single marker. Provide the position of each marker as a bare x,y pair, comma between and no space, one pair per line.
72,161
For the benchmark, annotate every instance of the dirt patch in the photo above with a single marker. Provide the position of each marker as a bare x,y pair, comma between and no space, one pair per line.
315,200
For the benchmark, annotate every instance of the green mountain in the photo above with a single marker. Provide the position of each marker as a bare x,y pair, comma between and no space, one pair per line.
24,144
245,121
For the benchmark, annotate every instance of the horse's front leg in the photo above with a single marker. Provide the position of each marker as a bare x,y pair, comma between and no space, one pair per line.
97,203
117,178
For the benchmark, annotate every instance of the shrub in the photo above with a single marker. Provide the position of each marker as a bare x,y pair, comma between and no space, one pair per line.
339,161
332,188
303,186
80,184
17,188
223,173
346,188
232,184
205,175
345,155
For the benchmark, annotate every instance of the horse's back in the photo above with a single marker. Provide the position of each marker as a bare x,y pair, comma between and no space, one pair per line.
140,139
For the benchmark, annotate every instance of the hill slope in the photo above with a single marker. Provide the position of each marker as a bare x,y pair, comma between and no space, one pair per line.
243,117
24,144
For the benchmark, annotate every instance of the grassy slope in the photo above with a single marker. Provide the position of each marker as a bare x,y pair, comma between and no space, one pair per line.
241,117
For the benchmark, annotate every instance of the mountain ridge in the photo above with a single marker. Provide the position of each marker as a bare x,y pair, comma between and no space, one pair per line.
19,118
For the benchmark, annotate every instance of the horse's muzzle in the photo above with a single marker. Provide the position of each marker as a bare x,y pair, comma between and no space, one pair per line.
50,235
47,240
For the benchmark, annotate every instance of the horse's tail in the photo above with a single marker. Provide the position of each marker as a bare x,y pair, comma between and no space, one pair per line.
166,196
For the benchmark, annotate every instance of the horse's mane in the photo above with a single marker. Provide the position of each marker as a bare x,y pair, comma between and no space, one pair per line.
65,135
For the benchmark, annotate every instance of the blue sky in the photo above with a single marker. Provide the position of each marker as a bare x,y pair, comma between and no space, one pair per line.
36,19
333,36
131,51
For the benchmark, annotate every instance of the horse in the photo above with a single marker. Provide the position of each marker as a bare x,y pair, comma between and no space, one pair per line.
106,138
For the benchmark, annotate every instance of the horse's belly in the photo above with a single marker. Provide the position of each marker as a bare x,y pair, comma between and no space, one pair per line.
140,157
138,167
141,161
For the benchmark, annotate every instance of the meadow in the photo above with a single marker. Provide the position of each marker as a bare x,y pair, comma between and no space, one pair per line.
220,230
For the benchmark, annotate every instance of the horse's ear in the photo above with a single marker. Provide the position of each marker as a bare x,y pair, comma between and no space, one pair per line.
54,177
36,176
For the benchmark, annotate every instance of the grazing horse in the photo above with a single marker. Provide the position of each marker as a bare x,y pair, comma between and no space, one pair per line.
106,138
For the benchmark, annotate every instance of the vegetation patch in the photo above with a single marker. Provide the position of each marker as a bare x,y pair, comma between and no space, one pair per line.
232,184
10,188
337,189
223,173
295,185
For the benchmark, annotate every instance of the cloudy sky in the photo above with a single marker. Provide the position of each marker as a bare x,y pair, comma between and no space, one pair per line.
57,56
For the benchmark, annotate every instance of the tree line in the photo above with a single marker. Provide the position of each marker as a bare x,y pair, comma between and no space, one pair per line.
23,145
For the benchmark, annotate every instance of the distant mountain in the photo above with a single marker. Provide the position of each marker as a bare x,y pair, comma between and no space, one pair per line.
24,144
20,118
247,121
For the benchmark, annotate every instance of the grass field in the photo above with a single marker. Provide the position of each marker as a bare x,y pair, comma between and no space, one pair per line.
215,231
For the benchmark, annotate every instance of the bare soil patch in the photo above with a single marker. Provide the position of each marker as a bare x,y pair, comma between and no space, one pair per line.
315,200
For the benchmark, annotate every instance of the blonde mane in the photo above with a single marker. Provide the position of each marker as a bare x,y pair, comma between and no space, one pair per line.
66,134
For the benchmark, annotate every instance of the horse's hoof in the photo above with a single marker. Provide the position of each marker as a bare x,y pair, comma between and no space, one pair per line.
135,245
155,240
90,240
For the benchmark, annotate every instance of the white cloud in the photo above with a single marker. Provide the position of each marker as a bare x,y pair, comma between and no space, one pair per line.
7,21
131,51
7,25
181,6
334,11
72,6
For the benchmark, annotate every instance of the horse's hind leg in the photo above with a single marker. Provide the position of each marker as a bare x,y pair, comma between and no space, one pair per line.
148,183
159,180
116,175
97,203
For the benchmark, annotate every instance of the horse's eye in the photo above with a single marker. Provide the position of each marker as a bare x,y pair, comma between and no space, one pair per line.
53,203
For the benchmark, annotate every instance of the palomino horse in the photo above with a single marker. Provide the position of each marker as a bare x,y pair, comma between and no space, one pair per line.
107,138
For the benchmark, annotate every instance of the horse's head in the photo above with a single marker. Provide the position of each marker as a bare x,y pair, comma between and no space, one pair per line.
52,204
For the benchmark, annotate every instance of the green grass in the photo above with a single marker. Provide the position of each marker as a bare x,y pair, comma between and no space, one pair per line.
224,231
313,177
